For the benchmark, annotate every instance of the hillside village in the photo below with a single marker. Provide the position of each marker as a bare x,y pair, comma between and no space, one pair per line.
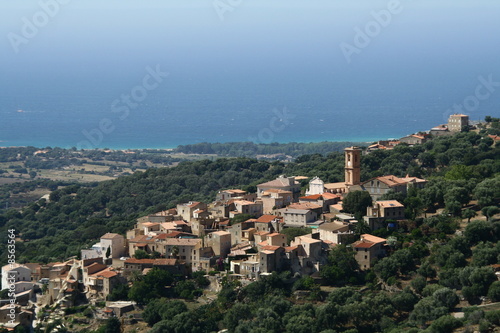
240,233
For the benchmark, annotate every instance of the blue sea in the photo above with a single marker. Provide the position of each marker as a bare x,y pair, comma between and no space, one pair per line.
185,112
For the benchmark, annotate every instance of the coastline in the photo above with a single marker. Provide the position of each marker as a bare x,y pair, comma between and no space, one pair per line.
171,148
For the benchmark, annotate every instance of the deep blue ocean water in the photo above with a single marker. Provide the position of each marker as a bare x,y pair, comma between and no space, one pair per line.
185,111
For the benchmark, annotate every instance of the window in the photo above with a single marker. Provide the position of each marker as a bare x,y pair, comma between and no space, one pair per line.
366,257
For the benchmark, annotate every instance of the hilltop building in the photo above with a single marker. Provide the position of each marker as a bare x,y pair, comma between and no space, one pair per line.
456,122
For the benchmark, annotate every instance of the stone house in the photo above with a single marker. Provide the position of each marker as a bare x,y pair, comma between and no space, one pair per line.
246,207
281,183
12,273
220,242
379,186
186,210
456,122
270,223
273,199
298,217
368,249
383,210
335,232
115,243
414,139
324,200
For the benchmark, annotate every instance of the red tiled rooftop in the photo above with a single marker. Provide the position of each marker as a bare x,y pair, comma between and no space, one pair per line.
266,218
312,197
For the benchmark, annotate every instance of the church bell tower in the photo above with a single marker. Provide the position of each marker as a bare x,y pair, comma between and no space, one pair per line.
352,166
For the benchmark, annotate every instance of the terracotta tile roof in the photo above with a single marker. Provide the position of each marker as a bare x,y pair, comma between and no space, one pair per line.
312,197
494,137
373,239
169,226
236,191
363,244
273,190
162,236
304,205
392,180
165,262
306,239
270,248
279,182
333,226
328,195
105,274
221,233
274,234
142,239
266,218
389,203
110,235
243,202
337,206
291,248
193,204
333,186
150,224
139,261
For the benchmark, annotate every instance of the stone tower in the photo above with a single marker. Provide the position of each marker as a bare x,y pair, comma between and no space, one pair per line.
352,166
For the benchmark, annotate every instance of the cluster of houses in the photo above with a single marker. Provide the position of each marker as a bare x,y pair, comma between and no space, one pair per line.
197,236
456,123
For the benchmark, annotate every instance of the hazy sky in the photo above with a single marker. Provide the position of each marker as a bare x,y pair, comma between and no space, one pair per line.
117,36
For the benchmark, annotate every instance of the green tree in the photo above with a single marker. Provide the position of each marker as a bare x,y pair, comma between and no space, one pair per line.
477,231
140,254
356,202
152,285
235,314
404,301
446,297
162,309
427,309
468,214
108,252
445,324
458,172
119,293
112,325
494,292
341,267
487,191
490,211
